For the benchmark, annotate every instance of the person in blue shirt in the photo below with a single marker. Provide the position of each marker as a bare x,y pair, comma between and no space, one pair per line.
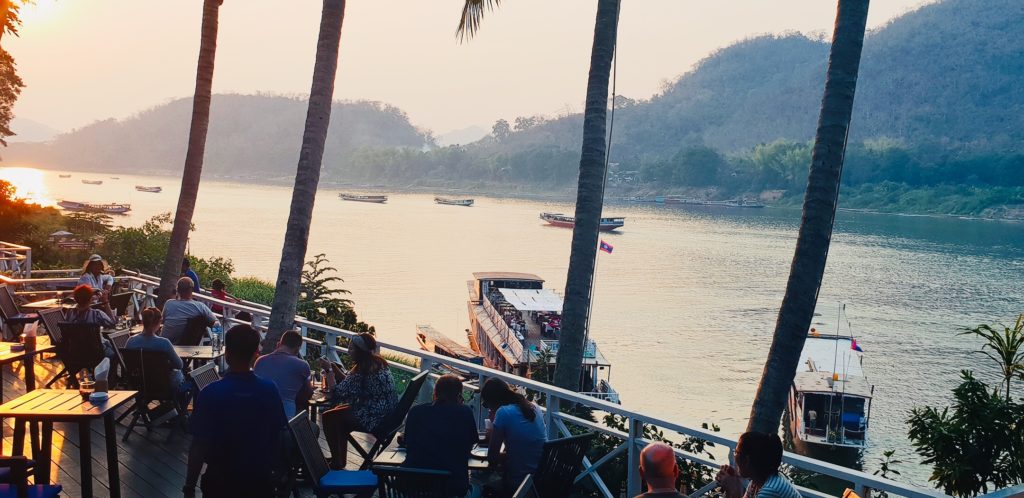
441,435
186,271
236,427
519,426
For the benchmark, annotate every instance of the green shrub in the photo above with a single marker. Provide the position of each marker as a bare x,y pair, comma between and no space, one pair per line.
252,289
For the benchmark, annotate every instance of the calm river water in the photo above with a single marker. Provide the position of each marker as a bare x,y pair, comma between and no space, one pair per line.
684,307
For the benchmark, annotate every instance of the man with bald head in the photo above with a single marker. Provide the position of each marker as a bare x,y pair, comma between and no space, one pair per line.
659,470
178,311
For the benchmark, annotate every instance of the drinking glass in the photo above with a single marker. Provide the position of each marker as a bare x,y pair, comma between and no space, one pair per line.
86,387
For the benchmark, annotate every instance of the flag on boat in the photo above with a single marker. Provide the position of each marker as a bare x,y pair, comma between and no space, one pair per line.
854,346
606,247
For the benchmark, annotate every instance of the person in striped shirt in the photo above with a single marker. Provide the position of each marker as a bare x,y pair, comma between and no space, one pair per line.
758,456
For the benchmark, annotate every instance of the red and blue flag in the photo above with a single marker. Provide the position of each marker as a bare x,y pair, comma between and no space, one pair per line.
854,346
606,247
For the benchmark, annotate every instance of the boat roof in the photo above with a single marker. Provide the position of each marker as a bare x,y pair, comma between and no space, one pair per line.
505,275
831,353
533,299
821,382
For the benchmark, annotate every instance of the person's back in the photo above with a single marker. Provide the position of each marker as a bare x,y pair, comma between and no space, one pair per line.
286,370
177,312
524,440
156,343
441,435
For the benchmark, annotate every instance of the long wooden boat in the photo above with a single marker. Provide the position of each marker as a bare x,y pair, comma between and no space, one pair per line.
64,176
453,202
89,207
433,341
92,182
560,220
154,190
377,199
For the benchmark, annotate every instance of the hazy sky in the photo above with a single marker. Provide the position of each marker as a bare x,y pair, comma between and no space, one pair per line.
84,60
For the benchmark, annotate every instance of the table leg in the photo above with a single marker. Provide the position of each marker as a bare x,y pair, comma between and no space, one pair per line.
110,434
30,373
84,445
43,464
19,438
33,438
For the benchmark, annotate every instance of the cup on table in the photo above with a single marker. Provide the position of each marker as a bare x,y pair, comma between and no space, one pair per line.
86,387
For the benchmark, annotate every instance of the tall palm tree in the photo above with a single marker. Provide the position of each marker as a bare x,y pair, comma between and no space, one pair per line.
590,188
819,209
196,149
307,174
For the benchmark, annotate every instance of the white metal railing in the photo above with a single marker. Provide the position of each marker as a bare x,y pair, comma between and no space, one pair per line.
557,422
15,260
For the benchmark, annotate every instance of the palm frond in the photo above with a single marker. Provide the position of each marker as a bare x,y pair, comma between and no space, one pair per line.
472,14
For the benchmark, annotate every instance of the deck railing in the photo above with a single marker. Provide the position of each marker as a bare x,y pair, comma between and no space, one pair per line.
630,441
515,346
15,260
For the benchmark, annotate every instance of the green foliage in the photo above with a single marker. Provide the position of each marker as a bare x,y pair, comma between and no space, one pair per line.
211,268
886,469
1005,348
142,248
252,289
10,83
978,446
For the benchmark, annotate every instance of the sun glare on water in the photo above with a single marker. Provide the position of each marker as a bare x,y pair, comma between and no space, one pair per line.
29,184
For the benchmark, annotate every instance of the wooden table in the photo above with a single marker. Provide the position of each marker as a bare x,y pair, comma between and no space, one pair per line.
395,456
202,353
51,405
46,304
27,359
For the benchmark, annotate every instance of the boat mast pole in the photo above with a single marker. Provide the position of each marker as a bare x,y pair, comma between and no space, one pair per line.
835,360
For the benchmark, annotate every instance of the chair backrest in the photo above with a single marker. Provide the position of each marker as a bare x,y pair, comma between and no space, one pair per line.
308,445
51,320
148,372
8,307
390,425
526,489
119,339
195,331
18,473
560,463
83,346
405,482
119,302
205,375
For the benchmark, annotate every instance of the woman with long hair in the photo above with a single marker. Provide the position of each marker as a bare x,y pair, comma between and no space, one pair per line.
363,397
519,426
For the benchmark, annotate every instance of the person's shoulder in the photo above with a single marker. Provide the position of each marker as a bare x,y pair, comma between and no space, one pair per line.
778,486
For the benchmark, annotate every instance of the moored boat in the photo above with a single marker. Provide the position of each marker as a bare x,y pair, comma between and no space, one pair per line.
435,342
64,176
378,199
142,188
453,202
89,207
515,324
565,221
92,182
830,399
740,203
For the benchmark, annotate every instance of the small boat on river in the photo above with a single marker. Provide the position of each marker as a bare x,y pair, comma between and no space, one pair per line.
92,182
89,207
560,220
377,199
154,190
453,202
433,341
64,176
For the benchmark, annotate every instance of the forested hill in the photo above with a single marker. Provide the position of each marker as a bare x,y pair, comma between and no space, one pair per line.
256,136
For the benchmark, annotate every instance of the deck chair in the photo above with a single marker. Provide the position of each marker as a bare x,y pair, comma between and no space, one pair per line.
119,339
149,373
195,332
17,485
204,375
119,303
325,481
405,482
388,428
560,463
83,348
9,311
526,489
51,319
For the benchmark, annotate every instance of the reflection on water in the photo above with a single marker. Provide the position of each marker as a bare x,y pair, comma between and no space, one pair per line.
684,308
29,184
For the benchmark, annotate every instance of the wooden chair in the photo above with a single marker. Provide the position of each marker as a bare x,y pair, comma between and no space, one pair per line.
51,319
9,311
18,486
83,348
204,375
526,489
149,373
119,339
560,463
119,303
195,331
388,428
405,482
325,481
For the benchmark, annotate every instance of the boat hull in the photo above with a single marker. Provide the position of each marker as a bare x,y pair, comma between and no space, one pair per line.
373,199
454,202
563,221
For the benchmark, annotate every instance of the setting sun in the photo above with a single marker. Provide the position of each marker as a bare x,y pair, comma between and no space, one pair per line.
28,184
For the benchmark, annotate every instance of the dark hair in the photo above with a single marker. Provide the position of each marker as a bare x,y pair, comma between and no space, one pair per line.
82,294
291,339
448,389
185,263
761,453
151,316
241,342
496,393
217,284
367,361
244,316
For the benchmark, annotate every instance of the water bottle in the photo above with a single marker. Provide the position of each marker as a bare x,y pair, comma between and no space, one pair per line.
217,339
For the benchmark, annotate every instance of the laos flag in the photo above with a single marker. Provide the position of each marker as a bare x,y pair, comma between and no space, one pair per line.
854,346
606,247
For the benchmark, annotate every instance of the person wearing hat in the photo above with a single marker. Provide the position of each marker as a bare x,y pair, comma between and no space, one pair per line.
96,274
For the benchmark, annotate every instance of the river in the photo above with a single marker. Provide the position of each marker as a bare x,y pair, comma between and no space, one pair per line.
685,305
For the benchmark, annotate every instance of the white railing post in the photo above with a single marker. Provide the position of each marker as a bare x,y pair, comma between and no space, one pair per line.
330,340
304,332
636,433
553,405
28,263
426,395
478,403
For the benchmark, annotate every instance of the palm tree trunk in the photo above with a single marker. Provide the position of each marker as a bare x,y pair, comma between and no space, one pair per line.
819,208
194,156
307,175
589,200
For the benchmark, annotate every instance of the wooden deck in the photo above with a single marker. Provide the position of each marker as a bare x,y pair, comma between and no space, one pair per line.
152,464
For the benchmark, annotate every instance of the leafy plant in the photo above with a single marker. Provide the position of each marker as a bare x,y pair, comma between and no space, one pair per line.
1005,348
252,289
886,469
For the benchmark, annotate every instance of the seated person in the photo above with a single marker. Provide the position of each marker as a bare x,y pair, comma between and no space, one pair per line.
236,426
96,274
758,457
441,435
290,373
362,399
178,311
150,340
85,313
186,271
519,425
658,468
218,291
